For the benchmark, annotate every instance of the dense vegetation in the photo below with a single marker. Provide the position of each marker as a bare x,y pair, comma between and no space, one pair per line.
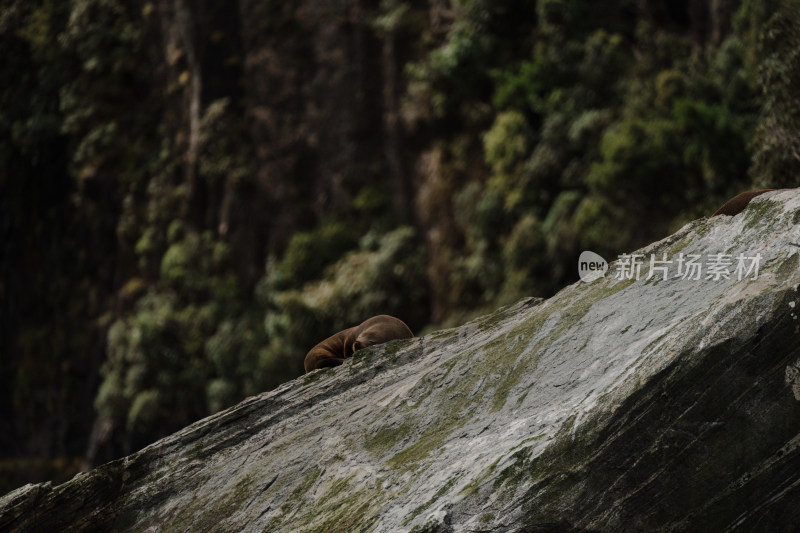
194,193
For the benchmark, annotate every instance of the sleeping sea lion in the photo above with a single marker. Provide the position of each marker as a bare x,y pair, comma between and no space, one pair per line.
335,349
736,205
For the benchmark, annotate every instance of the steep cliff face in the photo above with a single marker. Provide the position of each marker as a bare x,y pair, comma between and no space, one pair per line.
644,404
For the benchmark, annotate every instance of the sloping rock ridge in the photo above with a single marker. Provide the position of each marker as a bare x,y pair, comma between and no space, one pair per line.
616,405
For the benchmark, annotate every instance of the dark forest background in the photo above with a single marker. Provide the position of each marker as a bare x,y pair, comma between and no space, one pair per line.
193,193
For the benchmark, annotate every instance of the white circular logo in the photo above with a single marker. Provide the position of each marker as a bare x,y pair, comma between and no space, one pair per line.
591,266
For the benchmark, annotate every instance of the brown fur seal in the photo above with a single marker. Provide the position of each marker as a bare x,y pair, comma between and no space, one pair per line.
736,205
336,348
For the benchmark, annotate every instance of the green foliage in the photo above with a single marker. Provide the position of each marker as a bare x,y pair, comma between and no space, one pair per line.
238,355
562,236
525,258
448,75
455,74
507,142
183,352
714,141
776,161
195,267
602,226
480,211
559,15
309,252
38,29
222,159
386,275
637,155
372,201
103,42
153,371
604,60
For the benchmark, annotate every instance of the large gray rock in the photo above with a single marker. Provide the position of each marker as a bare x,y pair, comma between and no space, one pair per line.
615,405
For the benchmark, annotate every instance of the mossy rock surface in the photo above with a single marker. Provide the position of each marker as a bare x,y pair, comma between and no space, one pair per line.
614,405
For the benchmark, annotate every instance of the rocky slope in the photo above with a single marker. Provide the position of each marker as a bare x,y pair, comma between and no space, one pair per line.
649,404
